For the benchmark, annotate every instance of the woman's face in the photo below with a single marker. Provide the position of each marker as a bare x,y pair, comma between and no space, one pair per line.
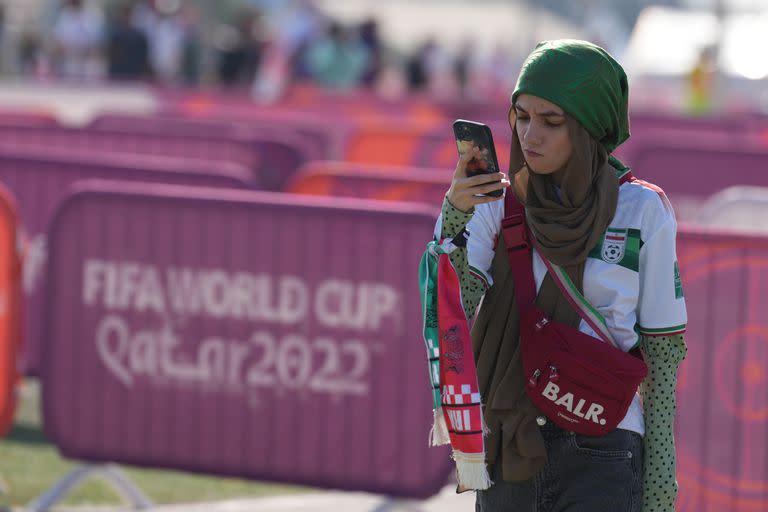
542,132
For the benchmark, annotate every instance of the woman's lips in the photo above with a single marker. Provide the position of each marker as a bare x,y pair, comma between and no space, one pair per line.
531,154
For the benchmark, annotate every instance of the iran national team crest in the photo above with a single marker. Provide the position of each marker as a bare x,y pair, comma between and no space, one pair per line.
614,245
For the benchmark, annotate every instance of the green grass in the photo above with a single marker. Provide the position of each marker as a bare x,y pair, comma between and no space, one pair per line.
29,465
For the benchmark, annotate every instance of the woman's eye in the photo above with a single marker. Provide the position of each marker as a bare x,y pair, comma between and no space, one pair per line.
554,125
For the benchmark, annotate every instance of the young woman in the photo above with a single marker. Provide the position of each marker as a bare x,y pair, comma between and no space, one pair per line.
615,238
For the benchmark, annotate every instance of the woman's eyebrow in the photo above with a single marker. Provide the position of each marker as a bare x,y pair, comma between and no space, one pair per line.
543,114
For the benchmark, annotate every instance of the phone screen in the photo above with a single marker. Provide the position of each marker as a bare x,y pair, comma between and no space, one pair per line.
481,164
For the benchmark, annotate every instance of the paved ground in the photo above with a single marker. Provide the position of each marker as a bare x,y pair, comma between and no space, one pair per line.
445,501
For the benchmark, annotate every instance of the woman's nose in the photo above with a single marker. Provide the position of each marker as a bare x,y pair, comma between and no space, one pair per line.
532,135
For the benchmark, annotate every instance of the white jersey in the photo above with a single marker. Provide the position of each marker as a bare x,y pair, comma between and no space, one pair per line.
631,277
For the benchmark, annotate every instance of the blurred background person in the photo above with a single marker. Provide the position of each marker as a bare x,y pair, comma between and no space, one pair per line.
166,35
78,35
192,49
241,46
370,38
416,66
339,60
701,83
463,63
127,47
30,56
431,69
292,27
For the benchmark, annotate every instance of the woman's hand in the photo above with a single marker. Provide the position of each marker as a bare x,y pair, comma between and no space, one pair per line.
464,191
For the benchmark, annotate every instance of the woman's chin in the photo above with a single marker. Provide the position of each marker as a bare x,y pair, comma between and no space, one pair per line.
542,172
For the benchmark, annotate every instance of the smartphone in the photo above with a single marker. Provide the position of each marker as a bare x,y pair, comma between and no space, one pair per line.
469,134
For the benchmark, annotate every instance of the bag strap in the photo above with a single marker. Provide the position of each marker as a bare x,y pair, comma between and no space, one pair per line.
519,242
578,302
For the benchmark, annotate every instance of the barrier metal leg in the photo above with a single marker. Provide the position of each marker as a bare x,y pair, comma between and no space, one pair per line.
110,474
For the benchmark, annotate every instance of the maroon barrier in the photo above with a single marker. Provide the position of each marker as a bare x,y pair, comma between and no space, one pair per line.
209,149
699,170
284,146
116,141
726,132
342,179
259,335
361,104
639,142
10,310
642,122
691,171
272,157
327,131
723,386
39,181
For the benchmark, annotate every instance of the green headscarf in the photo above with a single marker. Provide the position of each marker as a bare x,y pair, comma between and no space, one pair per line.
585,81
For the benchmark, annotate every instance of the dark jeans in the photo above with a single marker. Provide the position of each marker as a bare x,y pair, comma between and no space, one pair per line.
582,474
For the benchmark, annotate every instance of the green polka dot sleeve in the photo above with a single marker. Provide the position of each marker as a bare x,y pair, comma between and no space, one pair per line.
663,355
472,287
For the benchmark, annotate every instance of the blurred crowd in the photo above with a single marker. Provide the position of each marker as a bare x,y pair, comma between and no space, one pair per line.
261,44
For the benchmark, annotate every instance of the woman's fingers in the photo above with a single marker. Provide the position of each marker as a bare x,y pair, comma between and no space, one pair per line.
464,158
482,179
491,187
465,197
469,197
476,200
466,192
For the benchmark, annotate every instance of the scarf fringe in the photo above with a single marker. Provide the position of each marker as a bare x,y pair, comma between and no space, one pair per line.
471,471
438,435
485,427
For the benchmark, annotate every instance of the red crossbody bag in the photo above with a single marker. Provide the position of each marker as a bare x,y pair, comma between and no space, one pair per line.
581,383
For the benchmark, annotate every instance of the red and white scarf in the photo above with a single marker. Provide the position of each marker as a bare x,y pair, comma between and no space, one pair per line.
456,397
